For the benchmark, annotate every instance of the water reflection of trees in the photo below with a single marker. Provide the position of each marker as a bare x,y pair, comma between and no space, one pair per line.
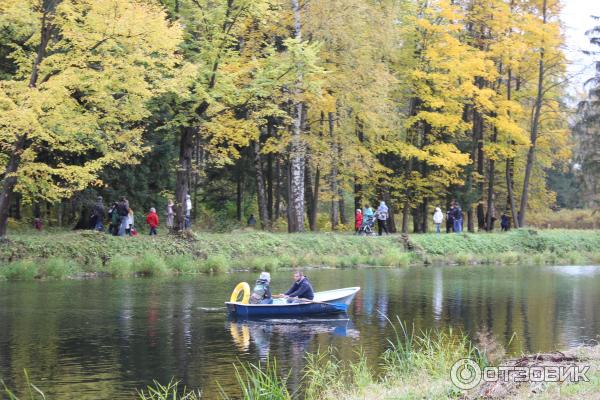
106,338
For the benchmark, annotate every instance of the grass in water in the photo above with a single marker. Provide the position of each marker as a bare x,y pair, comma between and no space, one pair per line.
150,265
120,266
19,270
215,264
170,391
258,383
182,264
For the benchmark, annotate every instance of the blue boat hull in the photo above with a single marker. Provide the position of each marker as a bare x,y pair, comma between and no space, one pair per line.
277,310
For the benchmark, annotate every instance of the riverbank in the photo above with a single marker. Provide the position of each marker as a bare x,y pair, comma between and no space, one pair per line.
84,253
416,365
420,365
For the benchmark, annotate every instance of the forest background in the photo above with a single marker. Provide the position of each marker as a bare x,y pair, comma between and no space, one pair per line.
297,112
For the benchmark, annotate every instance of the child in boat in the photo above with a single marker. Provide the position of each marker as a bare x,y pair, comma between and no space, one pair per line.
261,294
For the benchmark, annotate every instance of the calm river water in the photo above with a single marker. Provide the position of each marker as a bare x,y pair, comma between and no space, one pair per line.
103,339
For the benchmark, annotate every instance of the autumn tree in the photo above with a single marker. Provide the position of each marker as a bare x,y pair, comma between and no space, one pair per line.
76,102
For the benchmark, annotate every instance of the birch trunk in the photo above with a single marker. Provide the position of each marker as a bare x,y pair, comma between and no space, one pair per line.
297,160
535,126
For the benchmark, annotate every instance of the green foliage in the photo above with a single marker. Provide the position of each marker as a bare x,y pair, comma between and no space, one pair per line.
20,270
32,391
58,268
183,264
258,382
395,258
149,265
264,263
216,264
170,391
120,266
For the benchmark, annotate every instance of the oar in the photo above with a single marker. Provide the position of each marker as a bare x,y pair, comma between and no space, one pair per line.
212,309
337,306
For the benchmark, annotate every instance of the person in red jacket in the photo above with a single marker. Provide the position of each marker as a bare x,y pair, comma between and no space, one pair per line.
152,221
358,217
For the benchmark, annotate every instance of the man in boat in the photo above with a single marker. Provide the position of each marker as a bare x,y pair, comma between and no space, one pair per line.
300,289
261,294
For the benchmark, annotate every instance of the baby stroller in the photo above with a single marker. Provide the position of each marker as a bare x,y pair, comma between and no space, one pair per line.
366,229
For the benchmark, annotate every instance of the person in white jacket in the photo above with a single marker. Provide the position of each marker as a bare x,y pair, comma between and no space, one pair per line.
438,218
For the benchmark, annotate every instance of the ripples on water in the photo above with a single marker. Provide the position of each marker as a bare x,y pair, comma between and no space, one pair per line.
105,338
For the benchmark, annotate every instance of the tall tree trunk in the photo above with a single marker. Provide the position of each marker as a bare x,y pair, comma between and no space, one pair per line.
260,188
357,186
309,192
535,126
334,170
342,206
278,178
59,213
270,185
315,202
296,200
413,105
425,215
480,170
182,185
270,134
416,212
491,183
510,198
238,198
391,218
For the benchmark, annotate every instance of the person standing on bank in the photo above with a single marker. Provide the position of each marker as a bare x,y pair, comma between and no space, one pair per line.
152,221
188,211
438,218
99,214
170,215
458,218
123,212
130,222
382,216
358,220
450,218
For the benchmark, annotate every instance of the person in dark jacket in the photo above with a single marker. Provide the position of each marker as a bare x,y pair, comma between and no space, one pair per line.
458,218
301,288
123,213
450,219
505,222
99,214
113,217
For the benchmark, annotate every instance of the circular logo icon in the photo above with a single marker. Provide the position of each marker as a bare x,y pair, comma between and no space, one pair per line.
465,374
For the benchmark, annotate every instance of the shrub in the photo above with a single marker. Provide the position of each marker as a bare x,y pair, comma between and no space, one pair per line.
149,265
395,258
183,264
464,258
19,270
264,263
216,264
58,268
120,266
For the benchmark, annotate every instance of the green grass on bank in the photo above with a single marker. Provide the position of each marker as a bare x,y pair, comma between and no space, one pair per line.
66,253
